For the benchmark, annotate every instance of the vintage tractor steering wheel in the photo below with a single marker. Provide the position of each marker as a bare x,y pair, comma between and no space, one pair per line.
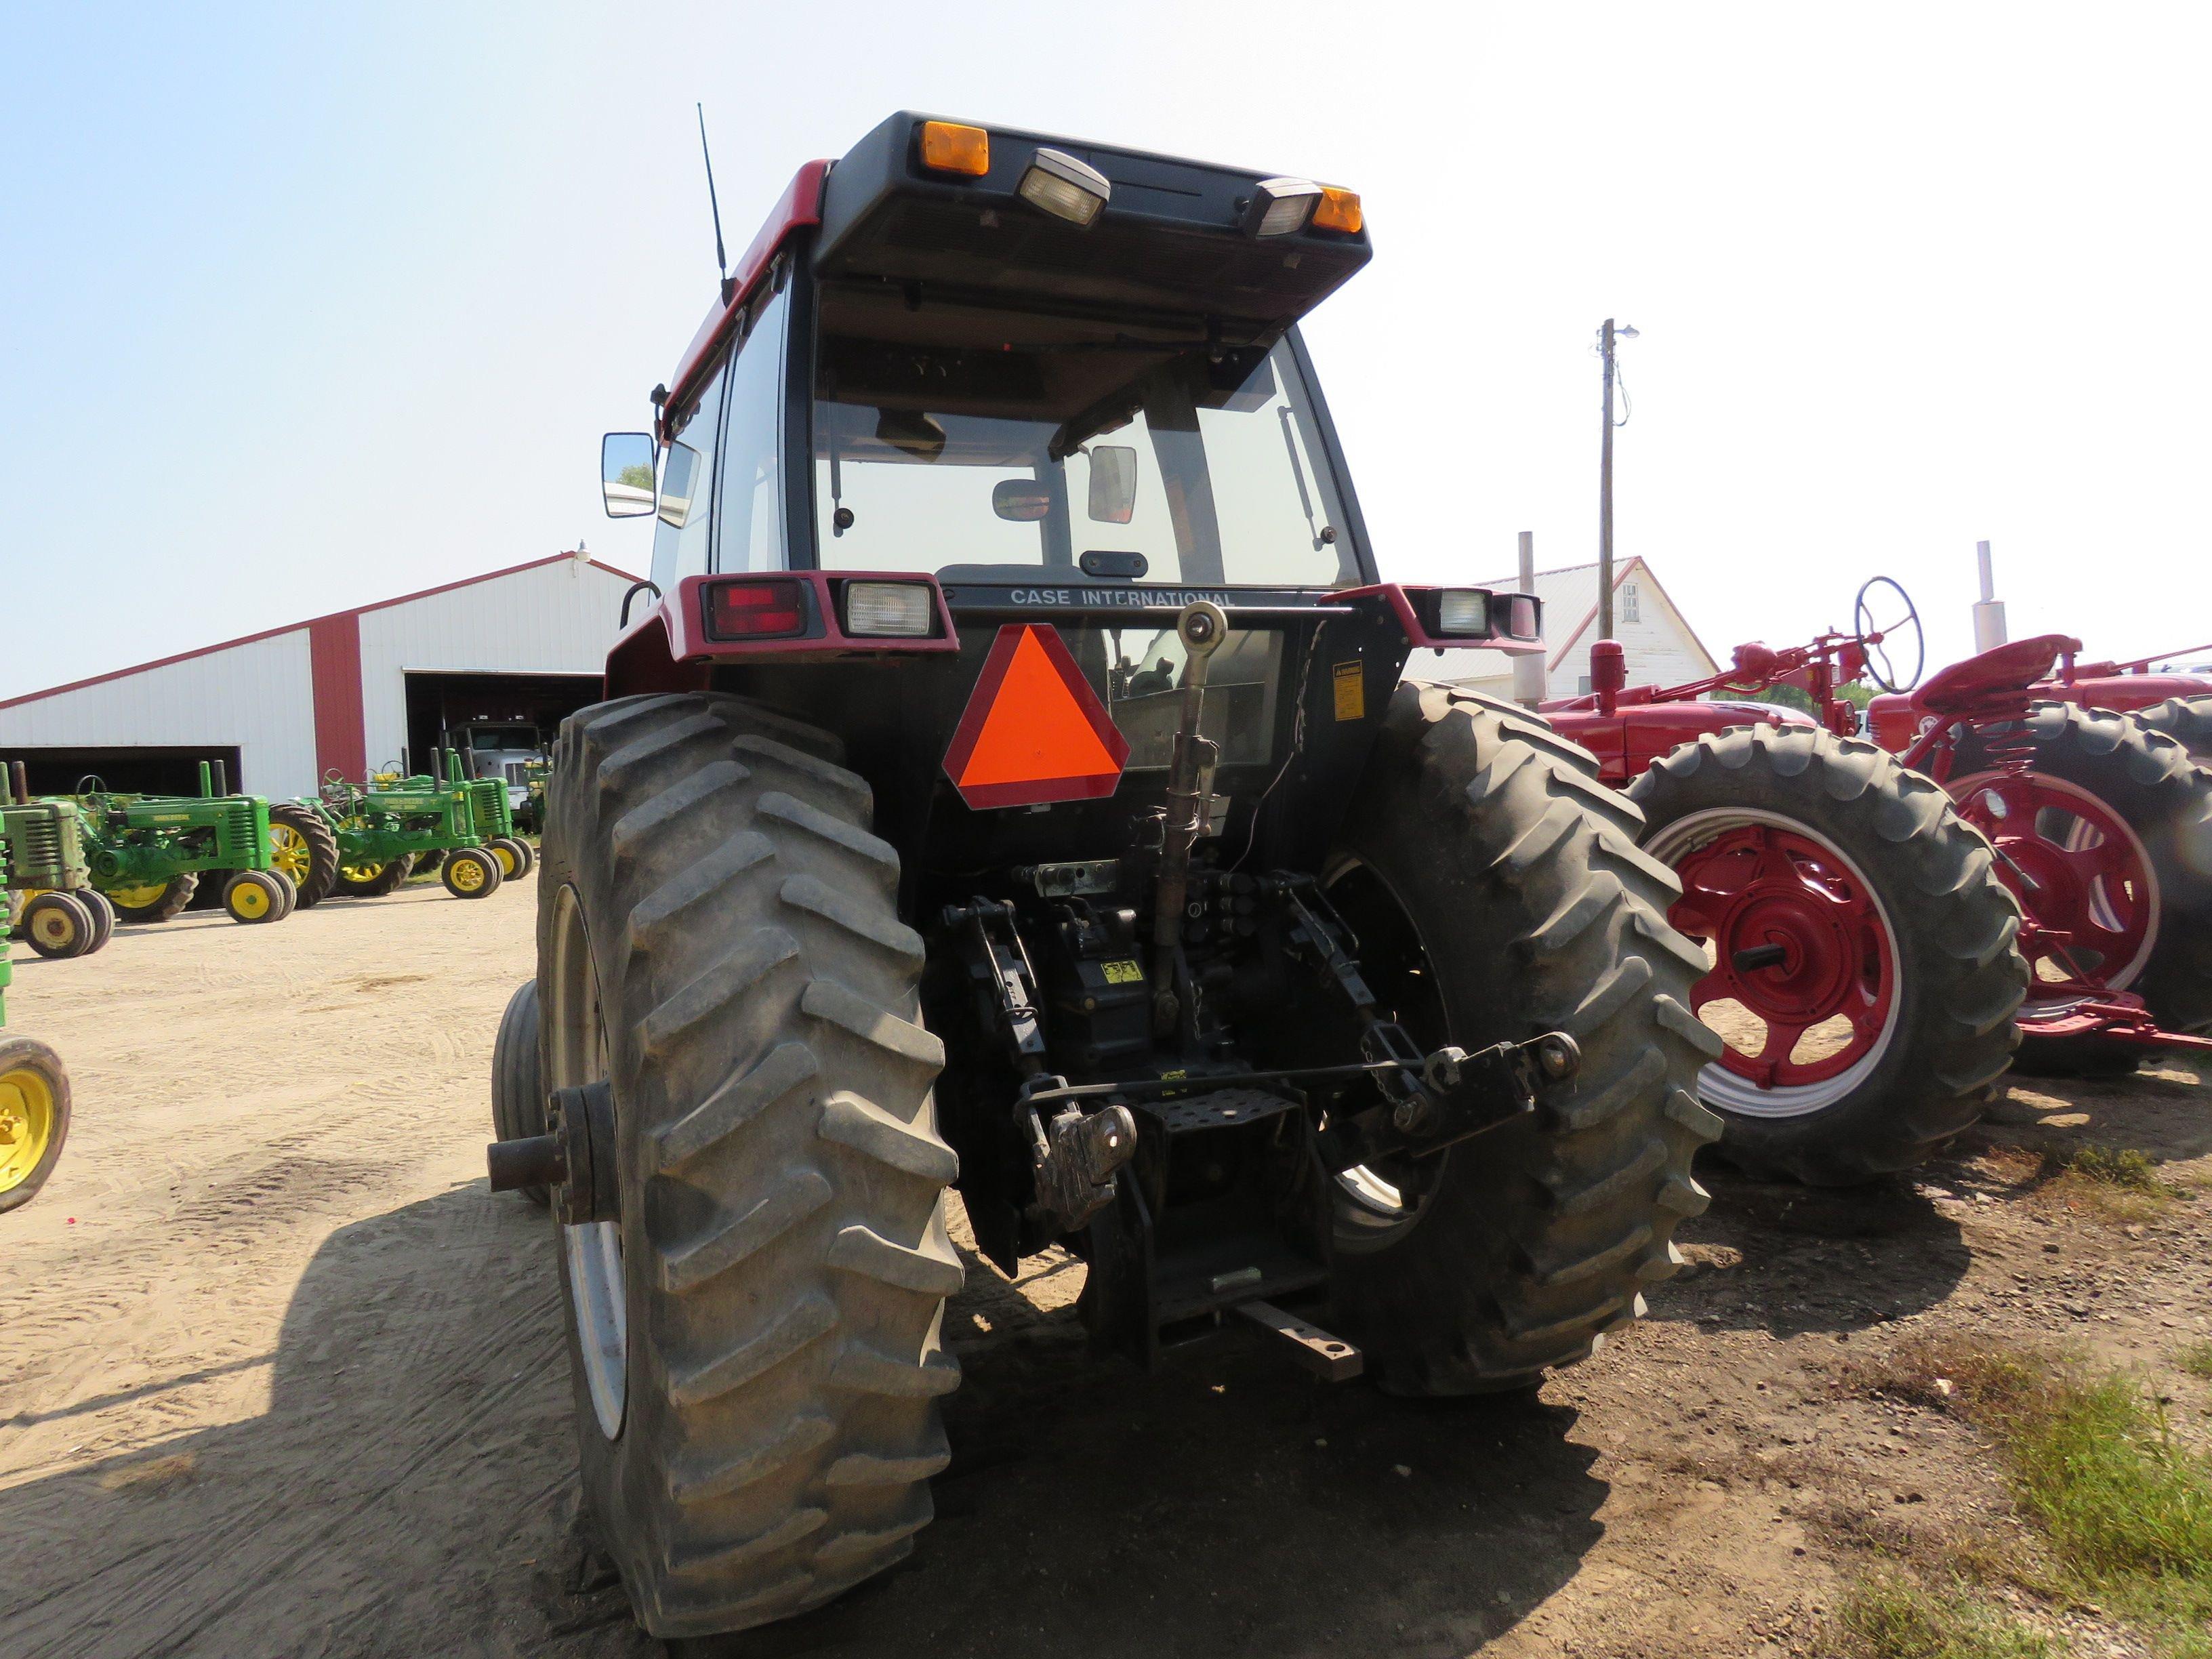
1876,643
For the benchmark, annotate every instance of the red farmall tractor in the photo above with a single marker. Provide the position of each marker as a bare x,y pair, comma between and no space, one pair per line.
1865,973
1011,789
1873,954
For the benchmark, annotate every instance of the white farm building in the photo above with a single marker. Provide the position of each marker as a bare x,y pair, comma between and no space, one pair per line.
380,683
1661,646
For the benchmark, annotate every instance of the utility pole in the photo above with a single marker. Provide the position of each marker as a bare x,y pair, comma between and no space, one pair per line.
1989,614
1605,338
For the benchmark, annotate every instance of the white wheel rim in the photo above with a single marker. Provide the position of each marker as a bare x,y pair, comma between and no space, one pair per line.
577,1053
1726,1091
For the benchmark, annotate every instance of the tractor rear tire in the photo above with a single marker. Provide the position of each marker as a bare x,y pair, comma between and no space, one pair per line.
307,851
1889,842
1484,843
710,879
518,1094
425,864
59,927
2148,779
171,903
382,880
2187,720
255,897
471,872
103,916
35,1118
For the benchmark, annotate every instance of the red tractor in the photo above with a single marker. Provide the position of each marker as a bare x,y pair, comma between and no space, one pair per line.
1011,789
1845,899
1865,972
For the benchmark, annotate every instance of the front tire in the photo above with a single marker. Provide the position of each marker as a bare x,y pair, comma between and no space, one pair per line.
471,872
58,927
1487,837
255,897
103,916
518,1088
762,1437
1892,920
35,1118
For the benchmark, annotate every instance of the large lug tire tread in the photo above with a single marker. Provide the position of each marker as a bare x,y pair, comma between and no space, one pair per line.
1955,929
2187,720
322,851
1541,1236
782,1180
518,1089
171,904
2150,781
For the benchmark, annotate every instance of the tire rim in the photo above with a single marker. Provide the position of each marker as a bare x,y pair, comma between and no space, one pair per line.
27,1125
361,872
54,927
251,901
2077,867
576,1054
1754,880
468,873
290,852
139,895
1379,1203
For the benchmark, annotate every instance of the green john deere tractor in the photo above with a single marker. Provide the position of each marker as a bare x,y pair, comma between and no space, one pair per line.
388,827
34,1091
52,902
149,853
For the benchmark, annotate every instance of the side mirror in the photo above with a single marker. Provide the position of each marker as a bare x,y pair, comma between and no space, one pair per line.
1021,501
626,474
1113,483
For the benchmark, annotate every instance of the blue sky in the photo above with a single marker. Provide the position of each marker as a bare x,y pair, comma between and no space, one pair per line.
306,306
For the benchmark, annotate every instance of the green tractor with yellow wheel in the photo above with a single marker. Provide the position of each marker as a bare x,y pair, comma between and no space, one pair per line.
34,1091
51,902
381,830
149,853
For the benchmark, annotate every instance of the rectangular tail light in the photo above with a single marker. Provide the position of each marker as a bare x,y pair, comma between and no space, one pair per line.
756,611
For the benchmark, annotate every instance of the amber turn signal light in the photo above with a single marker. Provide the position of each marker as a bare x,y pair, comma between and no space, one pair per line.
949,147
1338,210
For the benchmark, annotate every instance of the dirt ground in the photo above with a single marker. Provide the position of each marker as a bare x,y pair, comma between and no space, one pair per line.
279,1376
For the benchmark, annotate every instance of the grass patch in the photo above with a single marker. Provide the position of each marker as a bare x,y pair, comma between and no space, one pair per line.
1890,1616
2196,1360
2125,1511
2113,1183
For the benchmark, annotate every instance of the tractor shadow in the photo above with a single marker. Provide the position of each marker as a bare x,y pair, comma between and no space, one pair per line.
1793,1261
410,1489
2164,1110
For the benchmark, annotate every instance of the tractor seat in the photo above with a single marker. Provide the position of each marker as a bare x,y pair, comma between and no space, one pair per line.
1962,686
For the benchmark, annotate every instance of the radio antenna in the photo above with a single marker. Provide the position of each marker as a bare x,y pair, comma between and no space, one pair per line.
721,260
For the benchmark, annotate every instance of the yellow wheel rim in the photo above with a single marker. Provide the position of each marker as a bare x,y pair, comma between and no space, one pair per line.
508,863
251,900
362,872
140,896
468,873
290,852
27,1125
54,927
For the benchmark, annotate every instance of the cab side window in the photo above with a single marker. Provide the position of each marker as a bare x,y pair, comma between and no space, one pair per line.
679,540
751,491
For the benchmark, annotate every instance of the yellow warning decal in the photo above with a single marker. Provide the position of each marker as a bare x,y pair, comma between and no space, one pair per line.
1351,686
1123,973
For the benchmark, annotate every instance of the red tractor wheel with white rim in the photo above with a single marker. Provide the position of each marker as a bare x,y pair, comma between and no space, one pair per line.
1865,971
2106,837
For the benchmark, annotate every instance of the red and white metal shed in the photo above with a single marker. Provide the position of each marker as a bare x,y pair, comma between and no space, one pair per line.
355,688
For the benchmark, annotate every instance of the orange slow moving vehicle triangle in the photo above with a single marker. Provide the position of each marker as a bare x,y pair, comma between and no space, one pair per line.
1033,730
